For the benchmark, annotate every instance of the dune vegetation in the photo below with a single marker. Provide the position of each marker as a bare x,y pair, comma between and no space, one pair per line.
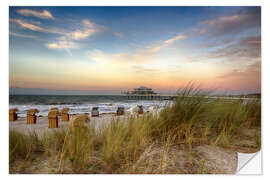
151,144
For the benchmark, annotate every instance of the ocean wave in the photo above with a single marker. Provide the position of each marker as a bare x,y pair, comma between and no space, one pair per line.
75,108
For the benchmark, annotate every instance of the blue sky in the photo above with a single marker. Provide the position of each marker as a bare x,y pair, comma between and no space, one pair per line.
117,48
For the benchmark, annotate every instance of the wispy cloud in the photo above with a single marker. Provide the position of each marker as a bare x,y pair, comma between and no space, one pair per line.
140,69
142,55
152,49
251,70
40,14
243,49
173,39
68,39
62,45
236,23
66,42
115,58
34,27
248,48
87,29
24,36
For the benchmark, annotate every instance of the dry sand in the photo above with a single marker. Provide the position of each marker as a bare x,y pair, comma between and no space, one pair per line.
42,124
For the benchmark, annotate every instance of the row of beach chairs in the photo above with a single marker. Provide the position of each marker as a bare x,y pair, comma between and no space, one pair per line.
77,121
31,117
53,114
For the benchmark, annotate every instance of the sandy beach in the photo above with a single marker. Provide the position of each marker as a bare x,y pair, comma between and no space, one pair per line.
41,126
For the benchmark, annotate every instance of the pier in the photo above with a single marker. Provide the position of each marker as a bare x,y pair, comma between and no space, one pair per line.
145,93
149,97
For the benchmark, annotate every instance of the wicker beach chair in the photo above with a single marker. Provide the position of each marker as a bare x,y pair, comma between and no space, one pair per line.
55,109
13,114
31,116
64,114
78,121
53,119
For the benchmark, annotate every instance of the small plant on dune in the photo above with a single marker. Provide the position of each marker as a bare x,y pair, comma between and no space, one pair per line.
78,148
181,117
253,112
124,141
23,146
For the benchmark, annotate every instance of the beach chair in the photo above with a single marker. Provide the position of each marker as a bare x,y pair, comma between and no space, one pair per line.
55,109
64,114
78,122
53,119
31,116
13,114
95,112
120,111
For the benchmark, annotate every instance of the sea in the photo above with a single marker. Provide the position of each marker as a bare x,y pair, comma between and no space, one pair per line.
77,103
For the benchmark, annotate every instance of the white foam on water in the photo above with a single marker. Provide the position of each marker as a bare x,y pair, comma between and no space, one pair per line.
84,108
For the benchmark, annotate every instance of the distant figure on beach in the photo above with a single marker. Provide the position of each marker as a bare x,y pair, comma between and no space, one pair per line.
94,111
136,110
120,110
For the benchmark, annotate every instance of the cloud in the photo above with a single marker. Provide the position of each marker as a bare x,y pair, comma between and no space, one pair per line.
253,70
62,45
248,48
115,58
172,40
88,29
140,69
237,23
66,40
31,26
24,36
43,14
237,51
157,47
244,78
142,55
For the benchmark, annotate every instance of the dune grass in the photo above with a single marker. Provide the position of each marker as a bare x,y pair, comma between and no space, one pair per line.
146,144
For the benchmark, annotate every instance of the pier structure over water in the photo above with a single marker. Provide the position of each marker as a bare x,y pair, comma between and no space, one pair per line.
149,97
145,93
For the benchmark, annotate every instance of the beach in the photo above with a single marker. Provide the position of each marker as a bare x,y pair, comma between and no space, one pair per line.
183,138
41,125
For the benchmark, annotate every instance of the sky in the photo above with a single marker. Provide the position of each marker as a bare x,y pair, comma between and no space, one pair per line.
111,49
